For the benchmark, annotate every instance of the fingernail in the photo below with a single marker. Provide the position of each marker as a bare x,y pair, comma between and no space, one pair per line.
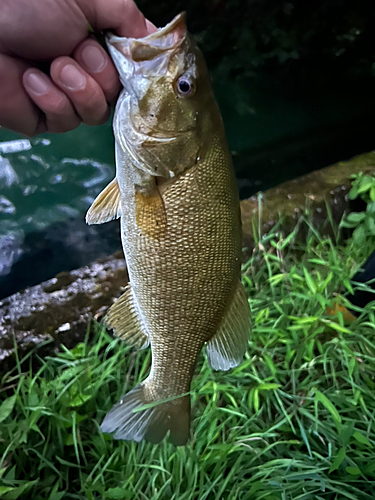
72,78
93,58
37,83
151,28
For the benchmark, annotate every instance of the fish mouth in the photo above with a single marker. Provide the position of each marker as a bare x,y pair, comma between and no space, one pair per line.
159,136
170,37
165,135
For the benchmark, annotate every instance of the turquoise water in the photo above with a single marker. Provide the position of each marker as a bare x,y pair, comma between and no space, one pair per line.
46,181
50,178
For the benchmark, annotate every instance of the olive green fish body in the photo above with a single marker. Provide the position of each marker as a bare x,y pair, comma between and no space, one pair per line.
183,279
181,231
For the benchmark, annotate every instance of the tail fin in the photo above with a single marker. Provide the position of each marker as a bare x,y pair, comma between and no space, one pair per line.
152,423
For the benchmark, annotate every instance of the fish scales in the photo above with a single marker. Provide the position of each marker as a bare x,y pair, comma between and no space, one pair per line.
179,278
181,231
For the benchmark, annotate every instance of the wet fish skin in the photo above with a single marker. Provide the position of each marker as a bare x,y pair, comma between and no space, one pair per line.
181,230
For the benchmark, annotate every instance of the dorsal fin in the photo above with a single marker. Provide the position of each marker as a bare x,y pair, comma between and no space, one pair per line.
106,206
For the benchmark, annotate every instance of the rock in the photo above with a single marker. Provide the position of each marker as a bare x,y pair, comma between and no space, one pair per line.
63,246
59,309
311,193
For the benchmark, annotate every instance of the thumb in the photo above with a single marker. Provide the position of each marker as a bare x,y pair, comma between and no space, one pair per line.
121,16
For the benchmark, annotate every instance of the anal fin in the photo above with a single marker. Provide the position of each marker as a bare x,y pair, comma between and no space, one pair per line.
124,319
227,347
106,206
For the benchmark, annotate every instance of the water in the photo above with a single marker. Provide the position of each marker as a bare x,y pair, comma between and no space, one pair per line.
47,183
51,178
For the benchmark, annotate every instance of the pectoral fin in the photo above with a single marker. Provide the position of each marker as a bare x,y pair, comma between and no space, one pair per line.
150,212
124,319
106,206
227,347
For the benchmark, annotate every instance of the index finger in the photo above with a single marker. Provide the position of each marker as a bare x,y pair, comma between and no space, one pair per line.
17,111
96,62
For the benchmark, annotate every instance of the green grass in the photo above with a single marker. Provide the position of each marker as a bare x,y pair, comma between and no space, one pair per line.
295,421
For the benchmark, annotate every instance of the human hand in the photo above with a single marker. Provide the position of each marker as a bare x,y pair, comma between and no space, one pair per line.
83,81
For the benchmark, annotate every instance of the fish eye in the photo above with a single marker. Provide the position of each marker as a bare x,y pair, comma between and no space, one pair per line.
184,87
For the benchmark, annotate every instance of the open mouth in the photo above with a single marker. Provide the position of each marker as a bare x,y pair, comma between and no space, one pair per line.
163,39
148,55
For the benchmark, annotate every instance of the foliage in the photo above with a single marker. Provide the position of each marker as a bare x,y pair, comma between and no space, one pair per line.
363,187
253,34
295,421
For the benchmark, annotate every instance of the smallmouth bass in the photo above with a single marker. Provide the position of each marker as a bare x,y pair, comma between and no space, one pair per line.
176,195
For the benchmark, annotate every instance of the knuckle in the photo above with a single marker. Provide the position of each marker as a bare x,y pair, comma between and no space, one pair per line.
96,120
94,108
61,106
60,128
56,65
61,124
104,117
112,88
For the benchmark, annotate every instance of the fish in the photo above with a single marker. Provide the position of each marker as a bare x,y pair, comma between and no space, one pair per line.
176,195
